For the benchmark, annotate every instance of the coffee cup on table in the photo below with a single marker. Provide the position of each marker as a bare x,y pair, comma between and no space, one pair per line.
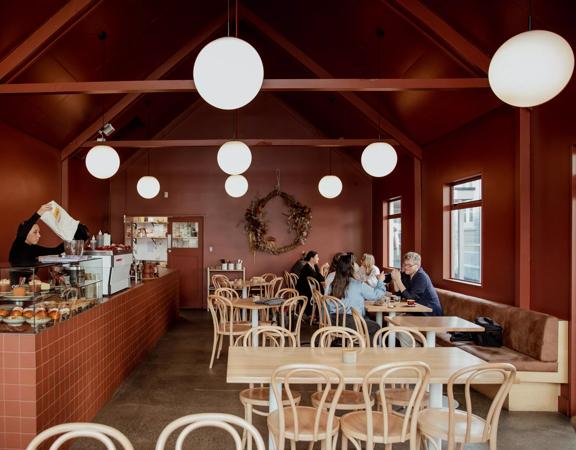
256,298
349,356
411,302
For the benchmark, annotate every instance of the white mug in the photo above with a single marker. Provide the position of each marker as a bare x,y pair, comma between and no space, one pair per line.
349,356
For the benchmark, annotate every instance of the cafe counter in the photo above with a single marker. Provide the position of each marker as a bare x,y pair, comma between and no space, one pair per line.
67,372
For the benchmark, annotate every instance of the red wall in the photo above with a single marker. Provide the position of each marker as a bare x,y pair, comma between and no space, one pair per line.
30,177
485,147
400,183
196,187
88,197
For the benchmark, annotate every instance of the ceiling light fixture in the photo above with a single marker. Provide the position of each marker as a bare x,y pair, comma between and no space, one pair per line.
236,186
148,186
228,72
102,161
531,68
330,186
379,158
234,157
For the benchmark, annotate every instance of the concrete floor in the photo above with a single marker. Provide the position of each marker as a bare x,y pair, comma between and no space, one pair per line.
174,380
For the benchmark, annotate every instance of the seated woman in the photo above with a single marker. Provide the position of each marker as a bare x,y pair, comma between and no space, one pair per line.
353,292
332,269
368,272
414,283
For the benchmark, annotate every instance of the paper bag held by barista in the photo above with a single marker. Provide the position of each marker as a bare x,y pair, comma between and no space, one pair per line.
60,222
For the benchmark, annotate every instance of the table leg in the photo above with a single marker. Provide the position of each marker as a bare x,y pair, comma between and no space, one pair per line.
431,339
272,406
392,335
435,388
244,292
379,318
254,326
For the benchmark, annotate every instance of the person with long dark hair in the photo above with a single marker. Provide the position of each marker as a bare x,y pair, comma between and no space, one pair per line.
353,293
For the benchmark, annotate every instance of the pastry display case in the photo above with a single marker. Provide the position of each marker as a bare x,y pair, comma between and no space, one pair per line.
37,297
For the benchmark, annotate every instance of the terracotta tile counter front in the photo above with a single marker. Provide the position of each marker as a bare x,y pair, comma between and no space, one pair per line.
66,373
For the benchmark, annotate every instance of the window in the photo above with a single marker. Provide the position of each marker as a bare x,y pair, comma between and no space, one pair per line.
393,232
466,231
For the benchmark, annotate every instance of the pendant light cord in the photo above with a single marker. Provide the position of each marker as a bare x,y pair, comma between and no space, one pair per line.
380,34
529,15
228,22
330,161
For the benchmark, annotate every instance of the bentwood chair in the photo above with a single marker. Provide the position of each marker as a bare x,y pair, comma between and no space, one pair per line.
462,427
360,325
67,431
256,399
306,423
386,427
291,313
287,293
350,400
291,279
220,281
224,322
400,394
269,276
272,287
315,288
227,422
332,306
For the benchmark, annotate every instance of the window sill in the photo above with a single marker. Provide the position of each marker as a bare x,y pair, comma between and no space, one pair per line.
469,283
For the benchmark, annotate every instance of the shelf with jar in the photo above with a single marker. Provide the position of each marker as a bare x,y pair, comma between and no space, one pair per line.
36,297
232,270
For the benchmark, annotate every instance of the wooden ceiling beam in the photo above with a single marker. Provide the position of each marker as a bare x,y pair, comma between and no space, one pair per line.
442,33
130,99
269,85
44,37
264,142
377,119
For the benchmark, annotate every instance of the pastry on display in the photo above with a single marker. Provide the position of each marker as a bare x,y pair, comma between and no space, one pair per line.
45,286
19,291
28,313
41,314
5,285
4,312
54,314
35,285
16,311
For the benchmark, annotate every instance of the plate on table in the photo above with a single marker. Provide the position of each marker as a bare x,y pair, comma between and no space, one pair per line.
14,320
42,321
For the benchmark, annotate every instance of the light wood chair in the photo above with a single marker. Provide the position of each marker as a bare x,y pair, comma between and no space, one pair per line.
255,398
462,427
316,290
332,305
229,293
361,326
400,394
220,281
227,422
272,287
291,279
67,431
306,423
350,400
386,427
269,276
323,337
287,293
291,313
224,323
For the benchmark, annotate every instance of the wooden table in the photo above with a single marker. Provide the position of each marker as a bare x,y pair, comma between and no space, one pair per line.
433,324
248,304
255,365
244,286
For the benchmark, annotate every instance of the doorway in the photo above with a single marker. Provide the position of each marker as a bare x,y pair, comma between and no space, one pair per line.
185,254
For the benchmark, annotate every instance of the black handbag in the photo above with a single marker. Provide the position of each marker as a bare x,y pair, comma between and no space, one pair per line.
492,335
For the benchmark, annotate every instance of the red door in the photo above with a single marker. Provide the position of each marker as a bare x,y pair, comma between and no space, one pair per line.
185,250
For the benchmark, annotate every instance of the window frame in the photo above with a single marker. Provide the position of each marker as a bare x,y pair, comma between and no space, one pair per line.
386,217
450,206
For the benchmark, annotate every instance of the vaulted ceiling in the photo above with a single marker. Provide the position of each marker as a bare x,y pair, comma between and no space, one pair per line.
47,41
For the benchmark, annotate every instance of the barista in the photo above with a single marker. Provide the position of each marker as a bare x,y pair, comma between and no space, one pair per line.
25,248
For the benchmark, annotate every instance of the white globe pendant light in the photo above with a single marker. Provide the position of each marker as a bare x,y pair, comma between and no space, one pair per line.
330,186
531,68
379,159
148,187
102,161
234,157
228,73
236,186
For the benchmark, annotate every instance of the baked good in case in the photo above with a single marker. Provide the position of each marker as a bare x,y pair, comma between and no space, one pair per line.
19,291
35,285
4,312
5,285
